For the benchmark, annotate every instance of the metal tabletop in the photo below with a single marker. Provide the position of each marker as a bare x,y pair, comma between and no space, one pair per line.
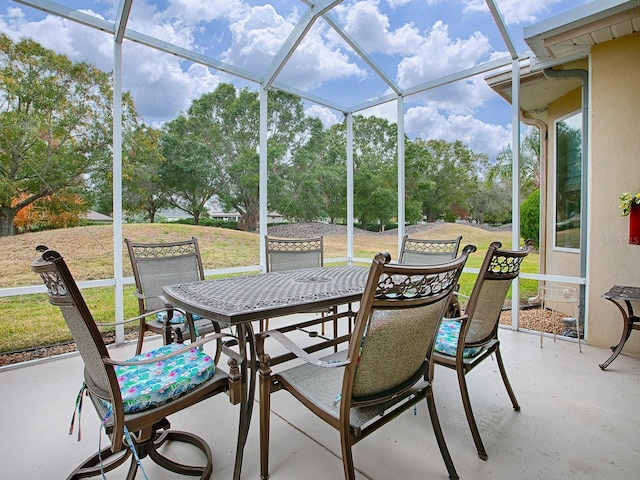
237,300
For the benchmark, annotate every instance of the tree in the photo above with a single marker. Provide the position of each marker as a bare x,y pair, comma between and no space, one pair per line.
190,167
55,119
375,148
493,204
529,164
297,188
442,176
141,184
334,173
374,155
63,210
213,149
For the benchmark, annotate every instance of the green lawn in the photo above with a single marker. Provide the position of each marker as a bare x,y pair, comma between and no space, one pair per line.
29,321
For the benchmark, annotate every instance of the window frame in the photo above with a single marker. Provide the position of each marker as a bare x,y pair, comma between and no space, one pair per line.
556,247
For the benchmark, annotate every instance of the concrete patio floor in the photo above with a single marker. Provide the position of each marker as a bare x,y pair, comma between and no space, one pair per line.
577,422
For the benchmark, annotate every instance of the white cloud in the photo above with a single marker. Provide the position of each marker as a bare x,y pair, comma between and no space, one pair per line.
194,11
162,85
370,27
515,11
401,3
463,97
428,122
158,83
77,42
326,115
258,37
452,55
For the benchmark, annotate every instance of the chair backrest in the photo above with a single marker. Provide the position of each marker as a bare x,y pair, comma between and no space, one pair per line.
293,253
156,265
395,328
428,252
63,292
489,292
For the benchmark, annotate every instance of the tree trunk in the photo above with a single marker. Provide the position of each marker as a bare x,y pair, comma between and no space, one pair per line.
6,221
249,219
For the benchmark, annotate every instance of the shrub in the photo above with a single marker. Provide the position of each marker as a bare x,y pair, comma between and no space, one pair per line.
209,222
530,217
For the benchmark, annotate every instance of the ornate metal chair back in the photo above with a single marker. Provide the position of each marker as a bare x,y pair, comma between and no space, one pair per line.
293,253
428,252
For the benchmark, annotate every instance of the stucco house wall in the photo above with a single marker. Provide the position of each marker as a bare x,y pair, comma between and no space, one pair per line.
614,168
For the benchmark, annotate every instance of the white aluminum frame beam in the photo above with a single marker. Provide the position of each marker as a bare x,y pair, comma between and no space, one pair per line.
506,37
124,9
313,12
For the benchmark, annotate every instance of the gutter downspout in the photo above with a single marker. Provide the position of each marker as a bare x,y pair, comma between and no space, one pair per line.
583,75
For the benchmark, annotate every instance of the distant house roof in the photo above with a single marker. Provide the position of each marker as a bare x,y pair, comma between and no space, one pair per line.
98,217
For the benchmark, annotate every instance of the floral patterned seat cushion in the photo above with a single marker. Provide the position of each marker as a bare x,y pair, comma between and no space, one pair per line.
148,385
447,340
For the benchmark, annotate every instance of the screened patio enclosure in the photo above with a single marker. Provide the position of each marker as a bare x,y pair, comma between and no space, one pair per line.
328,53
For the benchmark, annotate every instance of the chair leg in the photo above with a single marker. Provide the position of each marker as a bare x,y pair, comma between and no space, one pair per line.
167,334
347,456
177,467
91,466
462,382
442,445
265,417
505,379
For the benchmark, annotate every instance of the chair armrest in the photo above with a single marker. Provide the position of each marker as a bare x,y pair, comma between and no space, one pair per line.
460,319
140,296
133,319
162,298
458,294
293,348
180,351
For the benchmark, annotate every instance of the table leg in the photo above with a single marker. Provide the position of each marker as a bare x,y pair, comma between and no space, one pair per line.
626,331
248,371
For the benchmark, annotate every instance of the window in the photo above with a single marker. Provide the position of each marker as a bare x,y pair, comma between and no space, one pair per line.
568,181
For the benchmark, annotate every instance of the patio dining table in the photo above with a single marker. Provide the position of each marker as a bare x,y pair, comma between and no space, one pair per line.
621,296
238,301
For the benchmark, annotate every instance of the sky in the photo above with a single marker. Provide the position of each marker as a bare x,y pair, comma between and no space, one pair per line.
412,41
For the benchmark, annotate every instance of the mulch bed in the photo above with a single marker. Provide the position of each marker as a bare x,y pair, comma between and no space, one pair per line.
52,350
529,319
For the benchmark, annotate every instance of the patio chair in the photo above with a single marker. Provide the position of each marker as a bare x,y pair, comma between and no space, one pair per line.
156,265
464,342
133,398
291,254
428,252
386,368
417,251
